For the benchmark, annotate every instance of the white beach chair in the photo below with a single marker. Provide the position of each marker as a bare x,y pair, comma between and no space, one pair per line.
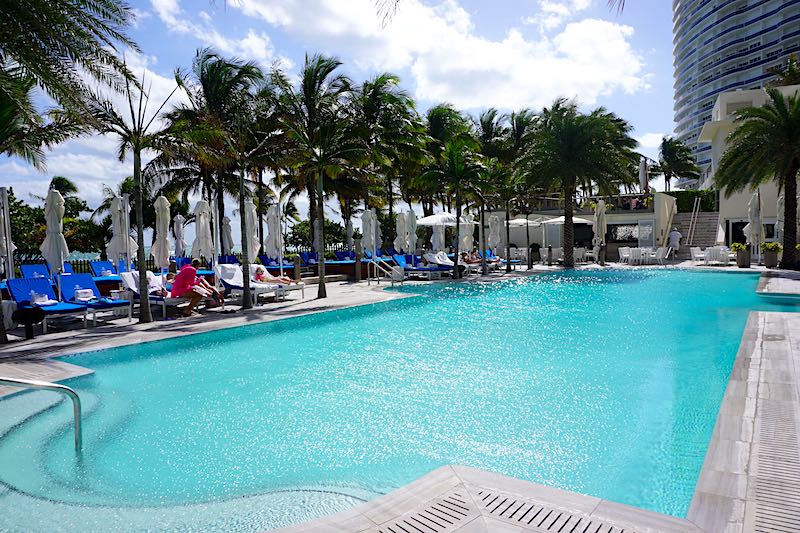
661,255
625,254
130,280
232,278
697,255
300,286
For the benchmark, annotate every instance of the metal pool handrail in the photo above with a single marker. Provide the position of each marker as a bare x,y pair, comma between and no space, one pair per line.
55,387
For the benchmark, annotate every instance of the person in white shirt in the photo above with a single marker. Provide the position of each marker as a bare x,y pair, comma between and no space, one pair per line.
674,240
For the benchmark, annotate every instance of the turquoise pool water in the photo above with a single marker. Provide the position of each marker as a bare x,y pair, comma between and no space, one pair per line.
606,383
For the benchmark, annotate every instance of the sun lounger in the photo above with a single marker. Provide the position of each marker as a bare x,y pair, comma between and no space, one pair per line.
70,292
232,279
26,292
35,270
300,286
130,281
430,272
102,268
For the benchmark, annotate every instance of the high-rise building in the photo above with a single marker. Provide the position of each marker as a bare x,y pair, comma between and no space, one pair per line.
722,46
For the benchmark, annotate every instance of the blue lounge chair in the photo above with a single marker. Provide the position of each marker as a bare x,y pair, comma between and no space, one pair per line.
35,270
228,260
428,271
68,269
69,284
341,255
21,290
98,267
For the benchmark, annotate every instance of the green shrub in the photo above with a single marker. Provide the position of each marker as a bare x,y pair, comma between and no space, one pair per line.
685,200
771,247
738,247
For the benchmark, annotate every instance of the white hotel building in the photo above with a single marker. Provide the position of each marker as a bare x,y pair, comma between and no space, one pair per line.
721,46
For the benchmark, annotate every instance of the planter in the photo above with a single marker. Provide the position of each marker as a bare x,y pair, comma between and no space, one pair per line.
770,259
743,259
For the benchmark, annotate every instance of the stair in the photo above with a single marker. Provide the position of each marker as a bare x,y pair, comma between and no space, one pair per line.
705,232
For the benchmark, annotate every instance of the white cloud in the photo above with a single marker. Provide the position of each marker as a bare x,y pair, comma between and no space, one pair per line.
650,140
449,61
553,13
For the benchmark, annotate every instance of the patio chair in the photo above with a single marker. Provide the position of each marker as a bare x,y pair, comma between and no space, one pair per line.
100,268
232,279
81,289
660,255
35,270
625,254
430,272
696,254
38,292
300,286
130,281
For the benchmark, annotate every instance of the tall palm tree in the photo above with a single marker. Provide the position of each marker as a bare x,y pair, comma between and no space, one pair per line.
58,43
765,147
676,159
567,149
322,138
136,133
458,168
506,187
786,75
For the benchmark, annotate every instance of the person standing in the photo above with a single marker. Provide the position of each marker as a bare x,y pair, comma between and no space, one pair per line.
674,241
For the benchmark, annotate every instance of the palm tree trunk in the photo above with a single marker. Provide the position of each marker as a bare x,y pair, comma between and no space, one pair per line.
789,259
145,315
568,237
484,268
508,236
220,200
528,241
392,232
320,233
247,302
456,270
312,214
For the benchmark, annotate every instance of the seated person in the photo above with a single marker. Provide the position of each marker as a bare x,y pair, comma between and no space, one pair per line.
470,259
188,284
164,291
263,276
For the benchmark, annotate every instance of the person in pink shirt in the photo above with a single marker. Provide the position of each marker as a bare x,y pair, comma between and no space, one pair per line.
188,284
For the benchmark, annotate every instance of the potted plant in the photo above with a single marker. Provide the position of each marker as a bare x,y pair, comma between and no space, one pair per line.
770,251
742,255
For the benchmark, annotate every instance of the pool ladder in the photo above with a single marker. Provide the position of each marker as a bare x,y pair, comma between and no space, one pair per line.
55,387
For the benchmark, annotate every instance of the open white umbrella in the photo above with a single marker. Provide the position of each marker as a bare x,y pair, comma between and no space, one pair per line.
643,180
203,244
226,237
121,247
522,222
560,220
493,239
411,231
466,227
368,230
250,225
177,232
54,248
600,226
438,219
6,245
160,248
272,244
437,238
400,241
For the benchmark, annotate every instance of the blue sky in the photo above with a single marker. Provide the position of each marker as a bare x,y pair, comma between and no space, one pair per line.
472,53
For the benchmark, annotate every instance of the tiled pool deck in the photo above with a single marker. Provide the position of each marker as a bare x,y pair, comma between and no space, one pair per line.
750,480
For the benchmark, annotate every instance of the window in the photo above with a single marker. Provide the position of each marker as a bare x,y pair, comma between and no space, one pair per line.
624,233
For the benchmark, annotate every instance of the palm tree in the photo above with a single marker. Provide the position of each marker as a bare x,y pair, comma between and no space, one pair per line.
58,43
676,159
458,168
136,133
765,147
322,138
567,148
506,186
788,75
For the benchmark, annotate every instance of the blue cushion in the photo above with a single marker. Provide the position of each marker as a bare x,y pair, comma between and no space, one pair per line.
38,270
20,289
68,268
69,284
99,266
401,261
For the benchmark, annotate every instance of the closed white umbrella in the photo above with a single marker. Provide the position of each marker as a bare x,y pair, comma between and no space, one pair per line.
272,244
466,227
250,225
121,246
411,231
600,225
54,248
177,232
6,245
378,232
437,238
438,219
401,241
203,244
493,239
781,216
368,230
160,248
349,231
226,237
643,181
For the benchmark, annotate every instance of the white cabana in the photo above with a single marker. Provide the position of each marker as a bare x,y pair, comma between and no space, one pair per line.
250,225
560,220
401,240
203,244
643,178
437,238
160,248
54,248
121,247
466,227
493,239
226,237
177,232
273,244
368,230
411,231
600,226
6,245
438,219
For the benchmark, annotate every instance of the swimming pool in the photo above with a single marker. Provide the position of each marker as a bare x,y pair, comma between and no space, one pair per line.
602,382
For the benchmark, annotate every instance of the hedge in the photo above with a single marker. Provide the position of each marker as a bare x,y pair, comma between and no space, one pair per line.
685,200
